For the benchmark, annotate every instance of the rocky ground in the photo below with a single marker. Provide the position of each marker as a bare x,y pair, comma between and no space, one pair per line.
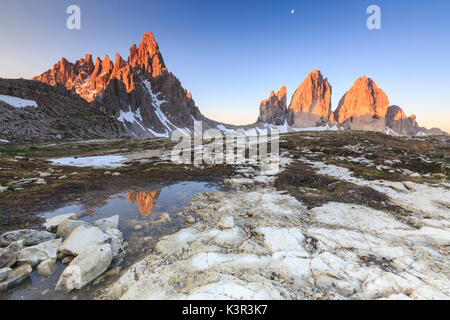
349,215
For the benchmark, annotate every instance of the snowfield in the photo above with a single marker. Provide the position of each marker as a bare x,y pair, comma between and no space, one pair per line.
98,161
18,102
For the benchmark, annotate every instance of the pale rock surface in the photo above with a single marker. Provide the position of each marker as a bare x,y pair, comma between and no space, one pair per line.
36,254
15,277
46,267
66,227
51,224
9,255
85,268
29,237
108,223
4,273
82,239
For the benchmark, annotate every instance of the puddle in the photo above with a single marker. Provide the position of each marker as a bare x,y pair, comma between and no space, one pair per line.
147,207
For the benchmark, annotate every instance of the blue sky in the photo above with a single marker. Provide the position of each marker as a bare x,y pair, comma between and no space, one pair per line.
231,54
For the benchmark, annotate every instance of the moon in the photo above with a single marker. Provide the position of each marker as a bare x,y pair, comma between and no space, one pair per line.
292,11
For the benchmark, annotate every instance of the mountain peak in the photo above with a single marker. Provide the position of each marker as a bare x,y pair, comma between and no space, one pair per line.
311,102
363,107
273,109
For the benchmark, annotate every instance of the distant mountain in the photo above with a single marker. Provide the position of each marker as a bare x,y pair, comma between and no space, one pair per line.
140,92
273,110
364,106
311,103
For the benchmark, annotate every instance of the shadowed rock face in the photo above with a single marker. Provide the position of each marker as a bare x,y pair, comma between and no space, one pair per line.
273,110
60,115
140,92
311,103
397,120
363,107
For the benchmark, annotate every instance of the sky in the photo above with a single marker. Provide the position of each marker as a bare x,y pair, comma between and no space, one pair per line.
232,54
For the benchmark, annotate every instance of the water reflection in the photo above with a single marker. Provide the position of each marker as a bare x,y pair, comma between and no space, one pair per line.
145,200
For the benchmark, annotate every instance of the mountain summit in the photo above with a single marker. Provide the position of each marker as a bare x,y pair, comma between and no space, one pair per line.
140,92
364,107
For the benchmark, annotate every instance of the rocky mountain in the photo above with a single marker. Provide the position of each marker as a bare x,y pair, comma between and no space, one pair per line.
397,121
140,92
31,111
311,103
364,106
273,110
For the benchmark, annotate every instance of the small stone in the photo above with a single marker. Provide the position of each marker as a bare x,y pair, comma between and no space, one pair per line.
415,175
107,173
190,219
44,174
46,267
41,182
51,224
67,259
45,292
63,177
66,227
226,223
179,214
138,227
3,189
116,174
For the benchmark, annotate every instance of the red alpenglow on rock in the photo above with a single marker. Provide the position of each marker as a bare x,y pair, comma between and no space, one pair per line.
363,107
140,92
311,103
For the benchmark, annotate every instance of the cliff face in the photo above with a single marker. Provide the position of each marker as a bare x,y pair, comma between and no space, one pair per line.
273,110
363,107
139,92
311,103
397,121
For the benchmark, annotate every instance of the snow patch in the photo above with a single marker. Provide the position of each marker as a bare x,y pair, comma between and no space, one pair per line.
97,161
18,102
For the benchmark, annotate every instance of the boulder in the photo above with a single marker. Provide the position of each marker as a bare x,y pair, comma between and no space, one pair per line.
85,268
108,223
36,254
15,277
46,267
29,237
8,256
4,273
66,227
51,224
81,239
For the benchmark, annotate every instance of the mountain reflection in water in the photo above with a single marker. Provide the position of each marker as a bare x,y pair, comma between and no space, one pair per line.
145,200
